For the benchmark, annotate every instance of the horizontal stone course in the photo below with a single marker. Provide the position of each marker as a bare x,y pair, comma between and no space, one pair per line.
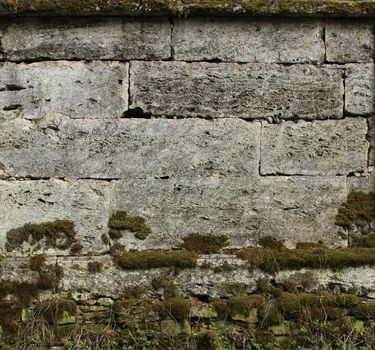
73,89
350,41
129,148
360,89
330,147
231,90
248,40
241,208
82,38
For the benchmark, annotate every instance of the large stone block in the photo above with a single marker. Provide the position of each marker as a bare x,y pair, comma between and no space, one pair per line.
231,90
350,41
86,203
73,89
248,40
129,148
291,208
329,147
360,89
87,38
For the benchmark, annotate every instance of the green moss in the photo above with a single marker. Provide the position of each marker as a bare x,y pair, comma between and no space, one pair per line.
358,211
76,248
53,310
154,259
135,292
175,308
209,340
10,315
271,242
271,260
95,266
24,292
105,239
165,284
309,245
121,221
49,277
55,234
204,244
269,315
37,262
364,241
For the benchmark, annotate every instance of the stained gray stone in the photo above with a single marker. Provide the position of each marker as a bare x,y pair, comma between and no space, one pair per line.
231,90
350,41
86,203
129,148
329,147
248,40
290,208
61,88
112,38
360,89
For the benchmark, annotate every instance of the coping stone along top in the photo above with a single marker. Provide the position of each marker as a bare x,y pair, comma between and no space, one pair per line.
349,8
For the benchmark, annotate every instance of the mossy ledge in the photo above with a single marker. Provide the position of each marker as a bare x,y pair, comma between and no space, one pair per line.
354,8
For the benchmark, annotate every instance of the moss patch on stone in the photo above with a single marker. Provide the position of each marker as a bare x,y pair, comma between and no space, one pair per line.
58,234
95,266
53,310
121,221
271,260
204,243
358,211
175,308
140,260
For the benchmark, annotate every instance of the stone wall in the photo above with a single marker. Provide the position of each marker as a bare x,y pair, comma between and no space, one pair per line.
238,126
121,137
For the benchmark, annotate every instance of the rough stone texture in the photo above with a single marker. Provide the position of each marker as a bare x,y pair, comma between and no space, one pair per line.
129,148
248,40
365,8
371,138
104,38
329,147
242,208
290,208
232,90
73,89
350,41
85,202
364,183
360,89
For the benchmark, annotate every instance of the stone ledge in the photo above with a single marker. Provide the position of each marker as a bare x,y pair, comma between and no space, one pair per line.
352,8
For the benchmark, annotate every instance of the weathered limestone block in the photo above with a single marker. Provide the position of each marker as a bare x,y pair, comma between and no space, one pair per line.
73,89
350,41
129,148
290,208
232,90
86,203
243,208
248,40
329,147
85,38
364,183
360,89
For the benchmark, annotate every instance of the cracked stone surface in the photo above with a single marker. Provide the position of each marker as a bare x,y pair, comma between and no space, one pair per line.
360,89
231,90
326,147
62,88
112,38
129,148
248,40
350,41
